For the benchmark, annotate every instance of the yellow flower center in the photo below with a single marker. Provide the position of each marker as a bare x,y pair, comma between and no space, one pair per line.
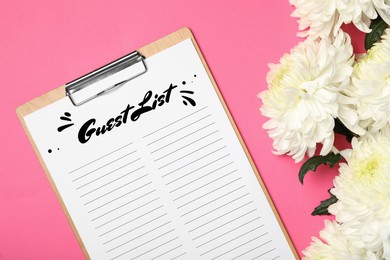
367,170
277,81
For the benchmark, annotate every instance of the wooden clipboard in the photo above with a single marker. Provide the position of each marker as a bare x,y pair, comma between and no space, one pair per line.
147,51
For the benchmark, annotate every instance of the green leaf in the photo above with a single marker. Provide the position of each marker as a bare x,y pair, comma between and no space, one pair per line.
377,26
311,165
340,128
322,209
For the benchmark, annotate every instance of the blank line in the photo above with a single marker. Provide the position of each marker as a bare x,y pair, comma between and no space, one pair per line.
185,146
205,214
265,252
192,152
98,188
131,230
209,192
147,232
107,174
235,238
225,214
216,160
238,246
119,197
143,205
230,221
229,232
253,250
167,252
230,192
143,244
124,204
193,132
99,158
204,185
171,133
200,158
207,174
82,176
150,211
115,189
174,122
150,250
176,257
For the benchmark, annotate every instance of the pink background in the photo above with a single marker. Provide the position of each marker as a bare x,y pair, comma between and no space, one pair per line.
46,43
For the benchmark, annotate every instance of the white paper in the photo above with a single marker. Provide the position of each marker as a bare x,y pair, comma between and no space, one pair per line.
169,183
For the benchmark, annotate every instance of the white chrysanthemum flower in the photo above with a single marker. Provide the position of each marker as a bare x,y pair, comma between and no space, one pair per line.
363,192
317,17
370,84
305,95
333,246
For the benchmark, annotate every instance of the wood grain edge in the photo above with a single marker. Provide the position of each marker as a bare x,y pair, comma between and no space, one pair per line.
181,35
148,50
27,109
166,42
244,147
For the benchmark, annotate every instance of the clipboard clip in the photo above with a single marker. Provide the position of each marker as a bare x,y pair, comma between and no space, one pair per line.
106,78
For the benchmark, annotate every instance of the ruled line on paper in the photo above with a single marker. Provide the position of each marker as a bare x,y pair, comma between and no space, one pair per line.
107,174
128,212
203,176
127,222
219,207
121,196
127,203
184,117
143,234
111,191
233,239
128,251
110,182
204,185
167,242
223,215
133,229
181,138
209,202
176,257
100,158
177,130
170,250
185,146
101,167
208,193
226,223
188,154
193,161
229,231
269,251
182,176
253,249
230,250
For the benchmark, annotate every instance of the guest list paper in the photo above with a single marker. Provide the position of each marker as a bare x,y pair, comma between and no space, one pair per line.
154,169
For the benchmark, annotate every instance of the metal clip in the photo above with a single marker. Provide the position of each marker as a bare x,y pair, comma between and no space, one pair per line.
106,78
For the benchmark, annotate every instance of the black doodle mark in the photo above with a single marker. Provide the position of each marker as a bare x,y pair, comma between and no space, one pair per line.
65,118
192,102
50,150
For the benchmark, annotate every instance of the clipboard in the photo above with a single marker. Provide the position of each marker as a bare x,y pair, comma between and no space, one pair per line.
136,57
